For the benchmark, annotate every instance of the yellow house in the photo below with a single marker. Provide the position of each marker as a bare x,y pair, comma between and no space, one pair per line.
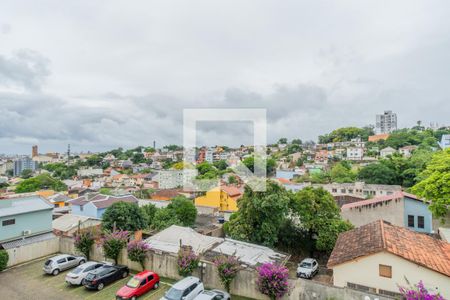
59,200
224,198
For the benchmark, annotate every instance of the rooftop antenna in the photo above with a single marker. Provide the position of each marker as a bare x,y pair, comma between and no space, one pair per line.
68,154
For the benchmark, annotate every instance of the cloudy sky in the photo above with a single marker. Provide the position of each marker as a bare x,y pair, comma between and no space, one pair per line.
102,74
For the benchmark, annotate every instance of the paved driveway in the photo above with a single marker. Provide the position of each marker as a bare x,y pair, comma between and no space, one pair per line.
28,282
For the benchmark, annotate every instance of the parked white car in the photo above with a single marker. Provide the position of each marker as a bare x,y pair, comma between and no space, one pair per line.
185,289
213,295
77,275
62,262
307,268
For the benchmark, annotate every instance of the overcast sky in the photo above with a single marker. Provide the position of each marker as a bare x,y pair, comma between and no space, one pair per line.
103,74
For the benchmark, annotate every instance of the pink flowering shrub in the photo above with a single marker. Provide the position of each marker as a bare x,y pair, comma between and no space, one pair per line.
83,242
187,262
419,292
273,280
227,267
137,252
113,243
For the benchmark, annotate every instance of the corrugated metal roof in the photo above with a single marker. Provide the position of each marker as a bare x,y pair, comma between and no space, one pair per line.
15,206
28,240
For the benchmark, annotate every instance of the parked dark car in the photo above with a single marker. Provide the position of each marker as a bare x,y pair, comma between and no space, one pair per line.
97,279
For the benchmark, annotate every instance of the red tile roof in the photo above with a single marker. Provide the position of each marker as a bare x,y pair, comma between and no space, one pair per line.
396,195
231,190
380,235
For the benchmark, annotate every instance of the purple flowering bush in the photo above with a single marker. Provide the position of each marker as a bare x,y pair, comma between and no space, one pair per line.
137,252
273,280
187,262
419,292
83,242
113,243
227,268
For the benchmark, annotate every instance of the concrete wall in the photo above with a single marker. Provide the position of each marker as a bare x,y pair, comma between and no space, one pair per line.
32,251
243,285
365,271
390,210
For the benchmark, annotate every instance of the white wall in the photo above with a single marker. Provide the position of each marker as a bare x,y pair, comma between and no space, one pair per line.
32,251
365,271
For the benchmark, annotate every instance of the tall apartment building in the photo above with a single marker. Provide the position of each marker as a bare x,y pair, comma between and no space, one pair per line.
24,163
387,122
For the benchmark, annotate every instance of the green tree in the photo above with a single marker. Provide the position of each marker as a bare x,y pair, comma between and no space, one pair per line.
296,141
377,173
282,141
149,210
260,215
341,173
42,181
113,243
184,210
319,215
346,134
84,242
27,173
4,257
435,184
249,162
165,217
221,165
125,216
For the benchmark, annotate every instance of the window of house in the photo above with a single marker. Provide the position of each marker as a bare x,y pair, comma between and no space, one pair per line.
334,190
421,221
9,222
385,271
342,190
410,221
81,207
350,191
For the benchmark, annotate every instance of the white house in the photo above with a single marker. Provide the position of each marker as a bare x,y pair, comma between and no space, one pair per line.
355,153
379,257
387,151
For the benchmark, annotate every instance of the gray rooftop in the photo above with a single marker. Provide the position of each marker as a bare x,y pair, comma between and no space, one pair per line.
16,206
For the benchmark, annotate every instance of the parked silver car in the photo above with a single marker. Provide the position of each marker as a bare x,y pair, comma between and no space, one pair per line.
62,262
77,275
213,295
185,289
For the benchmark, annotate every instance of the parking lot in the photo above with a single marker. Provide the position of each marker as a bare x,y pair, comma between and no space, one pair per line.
29,282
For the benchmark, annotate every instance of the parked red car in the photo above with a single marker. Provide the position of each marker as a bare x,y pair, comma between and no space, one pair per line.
137,286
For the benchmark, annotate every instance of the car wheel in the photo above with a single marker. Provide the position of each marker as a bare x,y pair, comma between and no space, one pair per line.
82,262
83,281
133,298
156,286
124,274
100,286
55,272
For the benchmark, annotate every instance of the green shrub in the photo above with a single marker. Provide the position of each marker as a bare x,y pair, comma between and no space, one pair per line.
4,257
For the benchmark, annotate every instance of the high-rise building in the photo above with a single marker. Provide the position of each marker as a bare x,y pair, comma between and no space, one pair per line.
24,163
34,151
387,122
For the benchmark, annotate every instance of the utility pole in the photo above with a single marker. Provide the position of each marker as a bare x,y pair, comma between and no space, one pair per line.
68,154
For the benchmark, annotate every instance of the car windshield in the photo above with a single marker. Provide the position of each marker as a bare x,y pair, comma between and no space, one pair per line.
77,270
305,265
133,283
48,262
174,294
90,276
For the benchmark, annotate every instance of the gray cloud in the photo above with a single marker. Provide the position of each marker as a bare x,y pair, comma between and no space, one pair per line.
122,77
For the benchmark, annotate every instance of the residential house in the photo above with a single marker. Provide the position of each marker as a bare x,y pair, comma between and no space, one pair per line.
5,166
407,150
69,224
321,157
24,217
58,200
90,172
379,257
287,174
359,189
355,153
400,208
387,151
170,179
445,141
224,197
94,205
